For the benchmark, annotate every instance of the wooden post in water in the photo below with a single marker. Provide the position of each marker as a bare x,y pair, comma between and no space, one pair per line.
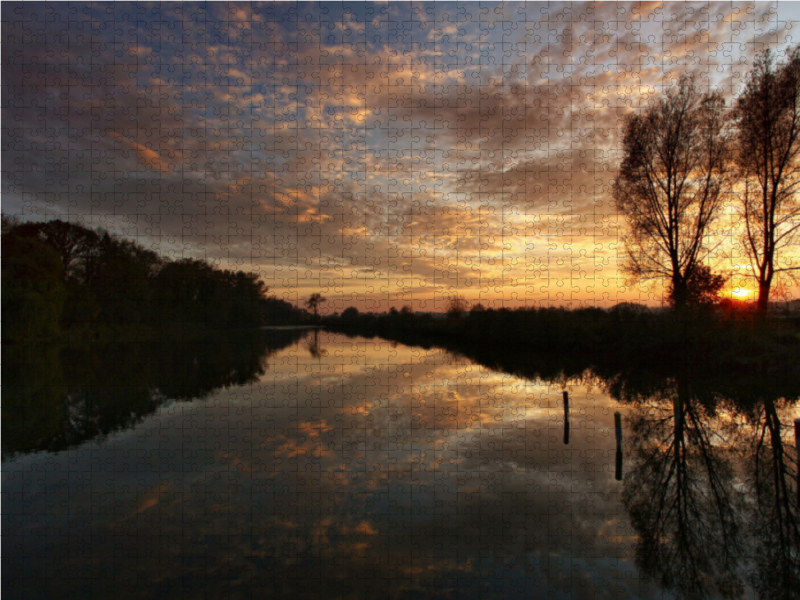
797,448
797,440
566,417
618,431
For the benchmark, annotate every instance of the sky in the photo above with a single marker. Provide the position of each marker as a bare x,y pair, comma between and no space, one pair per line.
380,154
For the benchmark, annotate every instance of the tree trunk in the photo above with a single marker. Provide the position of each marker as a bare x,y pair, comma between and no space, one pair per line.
680,292
763,296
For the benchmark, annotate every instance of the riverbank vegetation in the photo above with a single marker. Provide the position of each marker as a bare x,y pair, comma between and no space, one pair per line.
629,336
63,279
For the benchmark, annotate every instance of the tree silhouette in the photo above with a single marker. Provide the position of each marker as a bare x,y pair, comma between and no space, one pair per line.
350,314
456,306
767,115
74,244
671,184
60,276
702,287
313,303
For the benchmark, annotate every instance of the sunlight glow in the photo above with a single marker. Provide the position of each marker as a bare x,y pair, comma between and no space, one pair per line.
742,292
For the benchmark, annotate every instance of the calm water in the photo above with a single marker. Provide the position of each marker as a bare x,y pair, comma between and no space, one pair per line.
316,465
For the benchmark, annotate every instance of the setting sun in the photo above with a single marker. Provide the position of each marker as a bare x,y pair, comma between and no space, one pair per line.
741,293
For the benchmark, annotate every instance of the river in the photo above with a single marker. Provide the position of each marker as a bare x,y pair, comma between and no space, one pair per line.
311,464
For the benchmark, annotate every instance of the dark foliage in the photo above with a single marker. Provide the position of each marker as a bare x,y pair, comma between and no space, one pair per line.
627,337
702,287
62,278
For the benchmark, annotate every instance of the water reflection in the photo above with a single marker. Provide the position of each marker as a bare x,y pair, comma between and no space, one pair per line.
712,485
681,500
345,467
57,397
775,499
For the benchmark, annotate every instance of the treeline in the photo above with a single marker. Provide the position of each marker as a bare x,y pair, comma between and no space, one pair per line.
710,338
61,277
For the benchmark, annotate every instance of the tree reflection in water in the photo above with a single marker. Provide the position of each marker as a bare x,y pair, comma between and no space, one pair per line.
712,491
57,398
314,348
773,491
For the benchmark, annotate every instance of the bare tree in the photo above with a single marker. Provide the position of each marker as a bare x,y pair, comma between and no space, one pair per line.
671,185
768,118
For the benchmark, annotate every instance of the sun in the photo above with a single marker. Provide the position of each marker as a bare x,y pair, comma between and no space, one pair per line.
741,293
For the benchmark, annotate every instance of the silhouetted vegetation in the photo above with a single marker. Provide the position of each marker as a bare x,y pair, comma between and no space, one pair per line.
672,184
707,339
767,116
313,302
702,287
62,278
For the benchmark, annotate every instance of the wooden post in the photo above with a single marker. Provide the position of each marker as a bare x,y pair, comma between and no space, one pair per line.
797,448
797,441
618,432
566,417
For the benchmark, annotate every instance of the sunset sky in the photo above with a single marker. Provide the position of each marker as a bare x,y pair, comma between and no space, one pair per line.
381,154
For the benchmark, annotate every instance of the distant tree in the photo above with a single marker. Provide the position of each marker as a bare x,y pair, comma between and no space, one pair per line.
350,314
702,287
671,184
8,223
767,115
313,303
110,281
456,306
406,311
477,308
247,293
120,279
75,244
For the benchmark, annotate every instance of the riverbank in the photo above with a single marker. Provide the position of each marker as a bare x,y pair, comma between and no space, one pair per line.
707,341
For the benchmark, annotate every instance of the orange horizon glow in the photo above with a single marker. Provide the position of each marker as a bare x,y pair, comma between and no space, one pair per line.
742,293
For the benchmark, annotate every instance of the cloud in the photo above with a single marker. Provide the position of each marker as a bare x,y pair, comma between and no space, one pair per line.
317,145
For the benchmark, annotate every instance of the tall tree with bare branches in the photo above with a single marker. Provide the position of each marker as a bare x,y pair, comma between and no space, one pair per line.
671,185
767,115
